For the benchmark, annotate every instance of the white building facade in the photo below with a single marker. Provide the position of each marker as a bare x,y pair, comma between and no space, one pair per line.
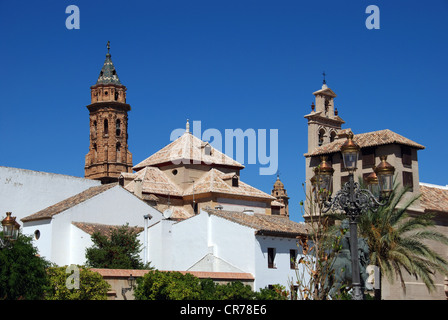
228,241
61,231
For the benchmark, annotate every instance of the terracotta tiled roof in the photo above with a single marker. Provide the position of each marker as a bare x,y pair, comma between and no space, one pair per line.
369,139
264,224
116,273
63,205
154,181
276,203
104,229
187,148
434,198
214,181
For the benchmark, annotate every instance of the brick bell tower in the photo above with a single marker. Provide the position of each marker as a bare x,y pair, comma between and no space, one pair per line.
108,152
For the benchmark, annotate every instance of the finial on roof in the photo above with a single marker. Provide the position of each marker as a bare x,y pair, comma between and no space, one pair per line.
108,74
324,82
187,129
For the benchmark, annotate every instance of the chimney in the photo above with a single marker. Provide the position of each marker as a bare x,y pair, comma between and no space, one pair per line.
138,187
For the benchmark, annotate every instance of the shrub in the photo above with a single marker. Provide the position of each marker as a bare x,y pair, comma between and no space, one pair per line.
92,286
171,285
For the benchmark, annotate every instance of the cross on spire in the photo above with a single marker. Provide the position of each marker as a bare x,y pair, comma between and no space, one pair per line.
108,46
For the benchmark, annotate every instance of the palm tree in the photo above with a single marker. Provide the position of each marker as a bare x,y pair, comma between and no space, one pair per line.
397,241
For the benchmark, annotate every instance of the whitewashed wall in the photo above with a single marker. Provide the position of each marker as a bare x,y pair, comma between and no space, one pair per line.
179,246
282,274
63,243
24,192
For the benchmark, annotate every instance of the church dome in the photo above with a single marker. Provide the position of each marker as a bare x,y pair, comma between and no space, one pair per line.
278,184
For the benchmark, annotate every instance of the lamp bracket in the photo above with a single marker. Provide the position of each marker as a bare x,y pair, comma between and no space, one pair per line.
354,204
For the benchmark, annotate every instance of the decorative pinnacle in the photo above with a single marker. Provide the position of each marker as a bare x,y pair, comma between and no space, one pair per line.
187,129
108,46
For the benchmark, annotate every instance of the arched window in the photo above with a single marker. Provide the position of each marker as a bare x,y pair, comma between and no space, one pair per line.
118,152
95,153
208,150
321,137
106,126
94,128
118,127
234,181
332,136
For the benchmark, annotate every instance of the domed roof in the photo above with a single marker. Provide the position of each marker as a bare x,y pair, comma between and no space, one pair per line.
278,184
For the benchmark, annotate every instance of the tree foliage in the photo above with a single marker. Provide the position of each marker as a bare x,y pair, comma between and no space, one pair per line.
92,286
398,242
315,274
173,285
120,250
22,271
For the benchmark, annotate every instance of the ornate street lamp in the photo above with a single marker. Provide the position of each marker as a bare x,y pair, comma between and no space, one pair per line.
322,179
355,201
372,184
385,173
350,151
10,231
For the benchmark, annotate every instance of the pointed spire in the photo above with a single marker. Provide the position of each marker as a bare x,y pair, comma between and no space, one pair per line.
187,129
108,74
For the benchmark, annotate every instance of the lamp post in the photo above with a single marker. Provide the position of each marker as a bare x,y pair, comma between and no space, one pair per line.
354,201
131,281
10,231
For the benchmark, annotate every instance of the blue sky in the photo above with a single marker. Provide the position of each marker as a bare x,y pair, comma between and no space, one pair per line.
230,64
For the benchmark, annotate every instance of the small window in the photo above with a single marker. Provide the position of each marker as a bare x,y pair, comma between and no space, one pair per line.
271,258
332,136
292,258
368,157
235,181
406,156
118,152
106,126
36,235
208,150
118,127
321,137
408,180
174,172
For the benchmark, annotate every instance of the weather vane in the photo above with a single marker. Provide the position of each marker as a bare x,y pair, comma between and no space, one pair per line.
323,73
108,46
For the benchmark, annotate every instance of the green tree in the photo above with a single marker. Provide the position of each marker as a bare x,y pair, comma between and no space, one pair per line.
277,292
22,271
234,291
173,285
120,250
167,285
397,241
92,286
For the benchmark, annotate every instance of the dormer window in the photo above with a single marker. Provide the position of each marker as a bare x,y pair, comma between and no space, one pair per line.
208,150
235,181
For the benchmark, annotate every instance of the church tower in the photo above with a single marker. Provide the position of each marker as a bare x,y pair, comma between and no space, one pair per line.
279,192
323,121
108,152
